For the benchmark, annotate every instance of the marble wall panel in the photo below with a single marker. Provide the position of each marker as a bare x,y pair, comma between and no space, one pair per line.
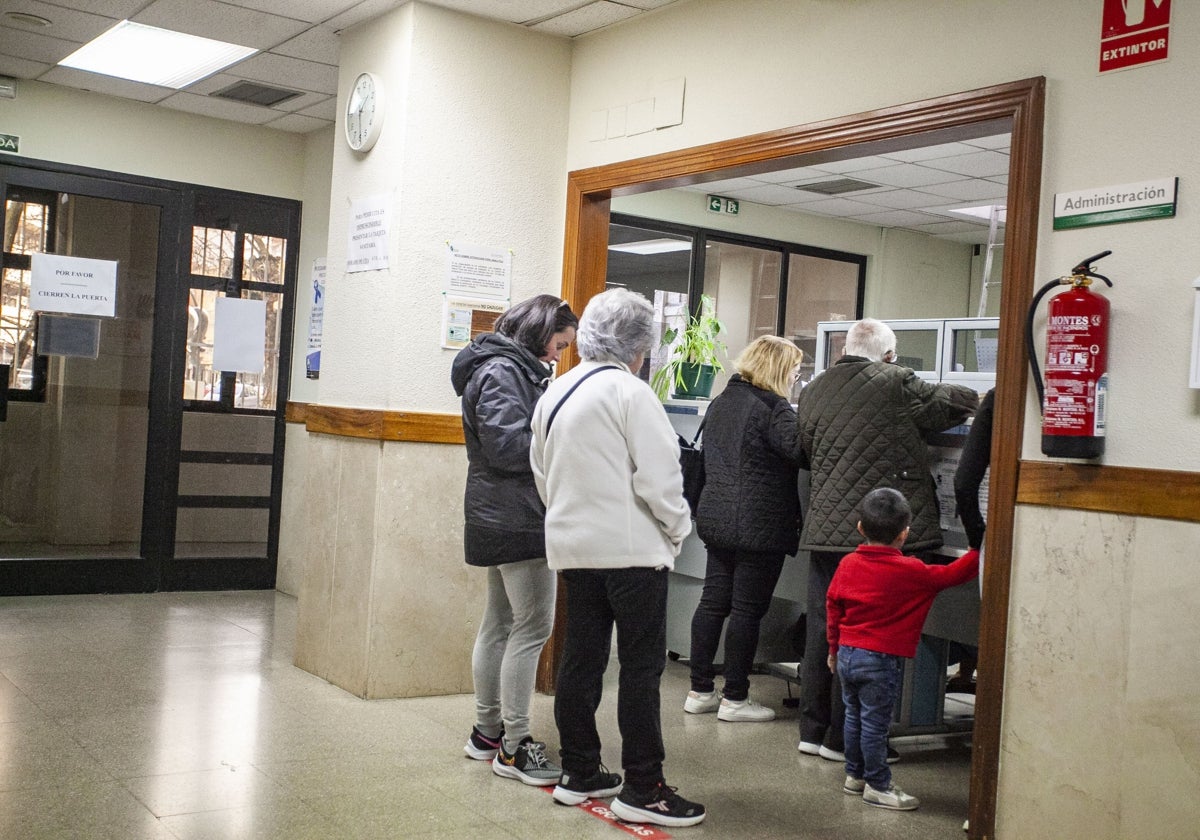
315,528
293,529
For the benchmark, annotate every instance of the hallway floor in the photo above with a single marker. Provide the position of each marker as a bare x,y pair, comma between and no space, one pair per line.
179,716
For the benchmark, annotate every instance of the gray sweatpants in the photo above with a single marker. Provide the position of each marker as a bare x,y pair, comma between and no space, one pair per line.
516,623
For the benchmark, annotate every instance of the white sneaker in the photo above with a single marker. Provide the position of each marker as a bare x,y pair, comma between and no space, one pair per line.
699,703
830,754
853,786
809,748
744,710
893,799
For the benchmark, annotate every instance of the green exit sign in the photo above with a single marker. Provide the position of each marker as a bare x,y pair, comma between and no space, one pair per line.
10,143
718,204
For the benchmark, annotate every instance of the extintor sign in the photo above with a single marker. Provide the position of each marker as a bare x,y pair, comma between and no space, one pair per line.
1134,32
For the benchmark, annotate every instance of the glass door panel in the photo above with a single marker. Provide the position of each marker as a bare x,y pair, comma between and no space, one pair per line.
745,282
73,451
818,289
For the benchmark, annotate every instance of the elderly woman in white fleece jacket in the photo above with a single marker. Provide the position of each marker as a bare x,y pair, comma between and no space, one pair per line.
606,463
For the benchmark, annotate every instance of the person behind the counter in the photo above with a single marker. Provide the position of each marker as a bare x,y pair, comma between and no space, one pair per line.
876,607
861,424
749,520
500,377
606,462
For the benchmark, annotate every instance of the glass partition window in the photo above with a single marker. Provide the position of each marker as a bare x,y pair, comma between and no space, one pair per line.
27,229
744,281
974,351
246,265
819,289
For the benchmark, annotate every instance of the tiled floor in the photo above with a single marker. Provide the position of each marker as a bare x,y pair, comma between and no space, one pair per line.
179,716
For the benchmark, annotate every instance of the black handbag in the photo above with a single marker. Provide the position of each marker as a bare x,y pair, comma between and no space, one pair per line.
691,463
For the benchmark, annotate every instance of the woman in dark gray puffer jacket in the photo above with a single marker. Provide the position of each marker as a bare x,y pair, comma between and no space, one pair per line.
748,518
500,377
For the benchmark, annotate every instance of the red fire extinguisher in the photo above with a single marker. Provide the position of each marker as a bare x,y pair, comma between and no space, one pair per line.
1074,397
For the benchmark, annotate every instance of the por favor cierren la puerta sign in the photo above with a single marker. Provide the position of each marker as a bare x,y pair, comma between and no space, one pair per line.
73,285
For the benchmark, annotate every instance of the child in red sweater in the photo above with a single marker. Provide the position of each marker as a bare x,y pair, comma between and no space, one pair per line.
876,607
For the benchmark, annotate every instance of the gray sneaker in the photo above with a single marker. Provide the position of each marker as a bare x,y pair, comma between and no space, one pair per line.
701,702
893,799
744,710
527,763
853,786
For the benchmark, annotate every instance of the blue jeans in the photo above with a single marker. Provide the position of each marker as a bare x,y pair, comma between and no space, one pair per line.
738,586
870,686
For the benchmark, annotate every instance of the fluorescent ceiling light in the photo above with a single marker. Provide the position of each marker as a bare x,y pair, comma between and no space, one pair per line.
653,246
155,56
983,212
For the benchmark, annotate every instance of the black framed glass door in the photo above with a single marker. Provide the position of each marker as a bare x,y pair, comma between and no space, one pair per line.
116,473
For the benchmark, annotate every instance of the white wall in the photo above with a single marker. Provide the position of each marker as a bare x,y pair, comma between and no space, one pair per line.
473,152
1099,705
105,132
838,59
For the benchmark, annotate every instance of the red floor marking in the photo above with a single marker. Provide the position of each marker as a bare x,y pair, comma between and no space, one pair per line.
602,812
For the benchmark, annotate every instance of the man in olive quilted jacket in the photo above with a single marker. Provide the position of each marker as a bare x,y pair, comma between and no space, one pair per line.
861,425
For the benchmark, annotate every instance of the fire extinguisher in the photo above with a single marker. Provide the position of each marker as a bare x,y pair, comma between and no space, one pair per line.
1075,394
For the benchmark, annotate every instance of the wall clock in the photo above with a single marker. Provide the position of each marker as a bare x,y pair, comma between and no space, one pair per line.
364,112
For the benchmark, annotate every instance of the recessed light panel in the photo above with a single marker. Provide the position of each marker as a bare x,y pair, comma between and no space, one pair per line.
653,246
155,56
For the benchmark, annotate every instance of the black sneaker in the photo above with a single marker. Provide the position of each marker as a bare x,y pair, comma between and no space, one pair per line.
528,764
660,805
480,747
573,789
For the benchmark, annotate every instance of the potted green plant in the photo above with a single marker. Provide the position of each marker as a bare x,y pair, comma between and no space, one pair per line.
694,359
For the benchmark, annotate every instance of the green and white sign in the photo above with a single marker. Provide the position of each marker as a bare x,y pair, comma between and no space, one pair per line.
10,143
1122,203
719,204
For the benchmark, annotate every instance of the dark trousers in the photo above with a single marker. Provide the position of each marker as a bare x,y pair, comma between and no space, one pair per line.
635,601
737,585
822,713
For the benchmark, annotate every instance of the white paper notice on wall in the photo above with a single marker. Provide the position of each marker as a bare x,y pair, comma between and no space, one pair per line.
73,285
240,335
475,271
370,221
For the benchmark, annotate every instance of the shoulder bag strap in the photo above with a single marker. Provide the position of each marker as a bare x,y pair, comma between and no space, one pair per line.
571,390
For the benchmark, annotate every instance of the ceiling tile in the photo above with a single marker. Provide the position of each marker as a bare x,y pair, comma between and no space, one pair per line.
291,73
298,123
997,142
513,12
326,110
785,176
68,24
70,77
899,199
905,175
977,164
21,68
115,9
841,167
220,108
769,194
924,153
317,44
312,11
361,12
896,218
591,17
971,190
220,21
721,187
648,4
840,207
20,43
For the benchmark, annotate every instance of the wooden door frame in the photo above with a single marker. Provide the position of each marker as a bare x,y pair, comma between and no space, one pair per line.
1015,106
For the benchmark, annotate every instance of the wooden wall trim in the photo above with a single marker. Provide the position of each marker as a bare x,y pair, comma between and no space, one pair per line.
1132,491
377,424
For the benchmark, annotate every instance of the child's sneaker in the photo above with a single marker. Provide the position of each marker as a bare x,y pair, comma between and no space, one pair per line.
701,702
573,789
853,786
660,805
893,799
480,747
528,764
744,710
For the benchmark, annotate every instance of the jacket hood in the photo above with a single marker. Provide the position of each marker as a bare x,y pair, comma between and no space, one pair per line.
486,347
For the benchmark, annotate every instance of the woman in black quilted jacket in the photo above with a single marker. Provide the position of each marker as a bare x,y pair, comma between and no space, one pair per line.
749,520
500,376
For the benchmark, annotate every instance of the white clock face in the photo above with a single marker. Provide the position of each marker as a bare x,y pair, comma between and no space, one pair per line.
364,113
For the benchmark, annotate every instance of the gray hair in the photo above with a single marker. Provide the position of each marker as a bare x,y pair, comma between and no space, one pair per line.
616,326
870,339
